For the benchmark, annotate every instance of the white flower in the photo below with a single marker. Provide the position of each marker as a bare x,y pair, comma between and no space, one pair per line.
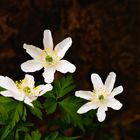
50,58
23,90
101,97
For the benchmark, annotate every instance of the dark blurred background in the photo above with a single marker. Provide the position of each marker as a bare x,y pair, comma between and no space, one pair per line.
106,37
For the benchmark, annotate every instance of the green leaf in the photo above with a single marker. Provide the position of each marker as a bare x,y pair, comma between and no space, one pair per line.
22,128
52,136
35,135
4,132
69,107
5,100
37,104
15,113
57,136
3,115
50,103
36,110
60,88
28,137
64,86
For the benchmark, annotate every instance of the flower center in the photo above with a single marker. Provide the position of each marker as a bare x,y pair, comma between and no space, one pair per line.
101,97
23,88
27,90
49,59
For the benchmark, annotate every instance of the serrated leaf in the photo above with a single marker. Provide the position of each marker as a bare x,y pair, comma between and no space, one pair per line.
36,110
69,107
15,111
64,86
37,104
11,112
50,103
18,113
35,135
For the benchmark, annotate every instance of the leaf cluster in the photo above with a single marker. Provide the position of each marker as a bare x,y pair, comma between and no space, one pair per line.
57,109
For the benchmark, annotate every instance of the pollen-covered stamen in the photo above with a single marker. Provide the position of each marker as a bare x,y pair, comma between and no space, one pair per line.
49,59
27,90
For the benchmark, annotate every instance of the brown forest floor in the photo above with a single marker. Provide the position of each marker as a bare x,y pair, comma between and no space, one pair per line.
106,37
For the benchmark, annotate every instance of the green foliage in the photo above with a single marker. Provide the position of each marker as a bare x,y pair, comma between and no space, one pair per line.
57,136
6,105
3,115
69,106
61,101
35,135
11,112
50,103
64,86
60,89
36,110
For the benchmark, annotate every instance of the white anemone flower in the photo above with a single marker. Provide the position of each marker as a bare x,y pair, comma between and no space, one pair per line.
50,58
23,90
101,97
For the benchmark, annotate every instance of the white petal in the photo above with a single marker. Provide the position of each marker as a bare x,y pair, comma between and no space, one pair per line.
28,102
87,107
31,66
8,83
48,75
116,91
114,104
109,83
63,46
14,95
96,81
44,88
28,81
64,66
101,113
33,51
84,94
47,40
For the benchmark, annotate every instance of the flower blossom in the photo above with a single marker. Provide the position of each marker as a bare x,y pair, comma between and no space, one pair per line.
50,58
101,97
23,90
